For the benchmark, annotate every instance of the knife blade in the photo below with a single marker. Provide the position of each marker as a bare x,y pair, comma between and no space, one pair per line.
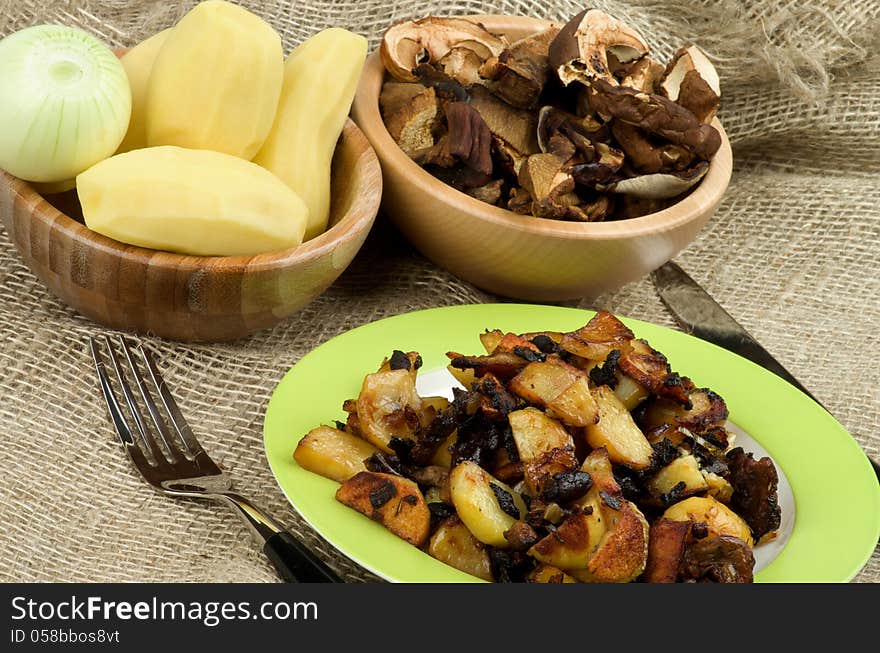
697,313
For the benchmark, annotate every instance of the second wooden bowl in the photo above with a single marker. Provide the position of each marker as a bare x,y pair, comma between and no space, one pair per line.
191,298
527,258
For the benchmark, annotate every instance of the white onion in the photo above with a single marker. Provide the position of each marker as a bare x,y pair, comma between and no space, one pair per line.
65,102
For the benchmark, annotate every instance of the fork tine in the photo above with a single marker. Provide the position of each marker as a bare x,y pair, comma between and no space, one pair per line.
116,414
175,416
158,422
148,441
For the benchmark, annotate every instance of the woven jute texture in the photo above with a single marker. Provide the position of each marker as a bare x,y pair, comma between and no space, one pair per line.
793,252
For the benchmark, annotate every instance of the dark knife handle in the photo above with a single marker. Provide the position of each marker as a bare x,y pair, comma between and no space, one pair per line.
295,563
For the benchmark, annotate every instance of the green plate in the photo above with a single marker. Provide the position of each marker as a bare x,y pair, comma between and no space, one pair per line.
828,491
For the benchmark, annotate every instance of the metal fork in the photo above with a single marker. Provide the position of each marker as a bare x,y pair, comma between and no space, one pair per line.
179,467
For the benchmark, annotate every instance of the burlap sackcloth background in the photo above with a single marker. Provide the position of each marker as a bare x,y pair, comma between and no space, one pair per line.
792,252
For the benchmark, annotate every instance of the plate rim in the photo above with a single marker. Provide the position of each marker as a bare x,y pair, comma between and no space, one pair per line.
520,311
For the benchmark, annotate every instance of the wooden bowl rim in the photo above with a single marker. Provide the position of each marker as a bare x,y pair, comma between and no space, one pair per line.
708,192
360,215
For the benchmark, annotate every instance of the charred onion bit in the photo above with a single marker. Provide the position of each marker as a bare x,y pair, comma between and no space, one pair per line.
505,500
666,545
500,401
563,487
723,559
606,374
399,361
382,494
754,491
656,115
504,365
580,52
440,428
520,72
509,566
410,43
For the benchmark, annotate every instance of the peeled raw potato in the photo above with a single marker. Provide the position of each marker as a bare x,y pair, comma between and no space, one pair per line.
320,78
216,82
138,63
192,202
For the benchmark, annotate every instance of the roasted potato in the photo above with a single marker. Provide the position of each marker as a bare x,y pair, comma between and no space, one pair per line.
549,574
393,501
487,506
622,550
332,453
597,338
719,487
388,406
630,392
465,377
573,544
720,519
684,470
455,545
560,388
535,433
617,432
490,340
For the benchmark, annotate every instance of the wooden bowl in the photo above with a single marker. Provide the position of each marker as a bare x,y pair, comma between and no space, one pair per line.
191,298
524,257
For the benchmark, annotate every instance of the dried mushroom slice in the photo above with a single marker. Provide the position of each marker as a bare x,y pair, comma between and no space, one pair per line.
469,138
517,127
412,125
521,71
462,65
656,115
646,156
690,80
602,170
581,50
660,185
582,132
643,75
395,96
410,43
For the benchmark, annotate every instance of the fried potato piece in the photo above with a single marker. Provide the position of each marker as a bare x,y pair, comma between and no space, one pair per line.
631,393
535,433
707,411
622,550
455,545
560,388
573,544
487,506
465,377
595,340
332,453
542,473
617,432
720,519
393,501
650,369
389,406
549,574
683,473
